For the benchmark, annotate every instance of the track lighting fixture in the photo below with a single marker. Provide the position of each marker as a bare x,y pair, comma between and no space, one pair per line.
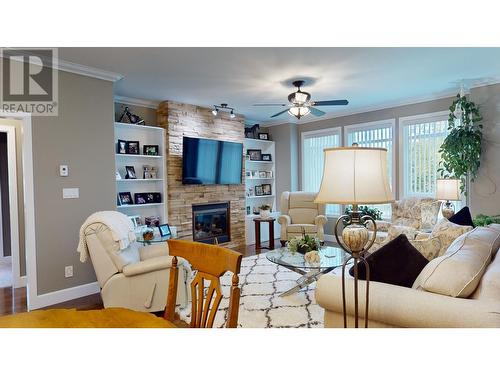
223,106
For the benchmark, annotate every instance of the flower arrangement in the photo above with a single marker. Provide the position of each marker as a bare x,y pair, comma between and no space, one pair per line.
304,244
265,211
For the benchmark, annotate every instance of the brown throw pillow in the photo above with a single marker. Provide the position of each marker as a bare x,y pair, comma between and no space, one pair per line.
397,263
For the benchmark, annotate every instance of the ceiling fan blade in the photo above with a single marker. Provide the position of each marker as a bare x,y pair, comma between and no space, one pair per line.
331,102
279,113
316,111
270,105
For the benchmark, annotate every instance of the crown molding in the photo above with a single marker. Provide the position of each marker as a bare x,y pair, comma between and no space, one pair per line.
393,104
138,102
88,71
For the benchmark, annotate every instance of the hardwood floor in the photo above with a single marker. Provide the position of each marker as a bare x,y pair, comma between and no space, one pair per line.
14,300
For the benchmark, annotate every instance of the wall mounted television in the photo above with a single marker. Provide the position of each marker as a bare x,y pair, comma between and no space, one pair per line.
211,162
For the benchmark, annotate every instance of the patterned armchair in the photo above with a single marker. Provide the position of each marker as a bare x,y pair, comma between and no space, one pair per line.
411,216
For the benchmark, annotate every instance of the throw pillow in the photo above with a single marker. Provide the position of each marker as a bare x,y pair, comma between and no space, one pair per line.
447,233
397,263
429,214
462,217
428,247
458,272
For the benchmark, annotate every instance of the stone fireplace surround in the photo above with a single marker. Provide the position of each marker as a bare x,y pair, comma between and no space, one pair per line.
188,120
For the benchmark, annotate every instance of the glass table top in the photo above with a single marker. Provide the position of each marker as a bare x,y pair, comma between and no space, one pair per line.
330,257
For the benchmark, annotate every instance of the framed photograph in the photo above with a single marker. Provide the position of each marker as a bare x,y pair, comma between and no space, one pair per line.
153,172
121,147
156,197
140,198
125,198
266,157
136,221
130,172
264,136
258,190
255,155
152,150
165,230
152,221
133,147
250,192
255,174
118,175
266,189
262,174
269,174
247,157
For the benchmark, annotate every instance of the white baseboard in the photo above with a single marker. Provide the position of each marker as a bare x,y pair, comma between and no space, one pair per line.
63,295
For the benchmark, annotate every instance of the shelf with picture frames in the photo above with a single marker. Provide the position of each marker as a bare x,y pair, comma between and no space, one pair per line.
145,168
259,173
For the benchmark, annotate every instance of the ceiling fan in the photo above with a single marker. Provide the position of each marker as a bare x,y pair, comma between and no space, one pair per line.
301,104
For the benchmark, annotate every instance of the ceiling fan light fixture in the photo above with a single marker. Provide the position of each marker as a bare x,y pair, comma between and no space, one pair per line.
300,97
299,111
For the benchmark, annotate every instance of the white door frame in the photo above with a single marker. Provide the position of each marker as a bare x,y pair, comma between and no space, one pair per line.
29,204
17,281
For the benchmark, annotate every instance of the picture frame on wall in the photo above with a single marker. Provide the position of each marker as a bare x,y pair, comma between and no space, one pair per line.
130,172
125,198
266,189
151,150
121,147
133,147
267,157
255,155
264,136
258,190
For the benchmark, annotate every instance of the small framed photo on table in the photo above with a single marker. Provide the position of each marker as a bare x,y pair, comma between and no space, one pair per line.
165,230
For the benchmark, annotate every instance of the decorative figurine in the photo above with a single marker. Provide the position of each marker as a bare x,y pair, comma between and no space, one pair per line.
133,119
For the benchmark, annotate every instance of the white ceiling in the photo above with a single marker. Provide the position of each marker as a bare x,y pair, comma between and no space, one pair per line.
367,77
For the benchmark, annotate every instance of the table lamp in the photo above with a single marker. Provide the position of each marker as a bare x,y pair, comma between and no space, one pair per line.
355,175
448,190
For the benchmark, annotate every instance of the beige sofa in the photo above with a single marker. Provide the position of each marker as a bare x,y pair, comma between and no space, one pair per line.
395,306
136,277
410,216
300,213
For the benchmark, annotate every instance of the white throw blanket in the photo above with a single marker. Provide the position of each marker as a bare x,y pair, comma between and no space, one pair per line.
120,225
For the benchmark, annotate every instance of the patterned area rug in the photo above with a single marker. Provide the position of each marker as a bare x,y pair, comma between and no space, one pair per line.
261,283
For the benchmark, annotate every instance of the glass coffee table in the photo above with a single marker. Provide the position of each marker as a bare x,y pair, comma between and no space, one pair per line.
330,258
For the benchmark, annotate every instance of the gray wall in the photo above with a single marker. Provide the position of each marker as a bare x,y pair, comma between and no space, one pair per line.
81,136
485,193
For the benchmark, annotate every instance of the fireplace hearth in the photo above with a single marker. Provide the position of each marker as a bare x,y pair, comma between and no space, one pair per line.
210,222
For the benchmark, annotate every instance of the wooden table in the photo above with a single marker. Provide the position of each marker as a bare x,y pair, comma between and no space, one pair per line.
257,221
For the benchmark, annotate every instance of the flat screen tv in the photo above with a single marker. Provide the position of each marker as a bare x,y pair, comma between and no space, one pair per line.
210,162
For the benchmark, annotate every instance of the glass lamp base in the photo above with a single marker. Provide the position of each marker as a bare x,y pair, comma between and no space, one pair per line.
448,210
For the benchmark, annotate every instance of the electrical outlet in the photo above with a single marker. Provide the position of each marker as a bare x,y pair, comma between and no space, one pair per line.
68,271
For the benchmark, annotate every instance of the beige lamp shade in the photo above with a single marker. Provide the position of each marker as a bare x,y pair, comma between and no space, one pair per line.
448,189
355,175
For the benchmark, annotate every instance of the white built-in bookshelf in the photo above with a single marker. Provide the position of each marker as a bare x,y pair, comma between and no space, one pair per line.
145,135
258,173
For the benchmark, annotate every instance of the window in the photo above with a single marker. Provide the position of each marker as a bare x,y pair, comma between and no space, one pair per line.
313,144
421,137
375,134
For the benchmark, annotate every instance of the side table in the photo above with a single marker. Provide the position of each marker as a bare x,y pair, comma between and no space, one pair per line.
257,221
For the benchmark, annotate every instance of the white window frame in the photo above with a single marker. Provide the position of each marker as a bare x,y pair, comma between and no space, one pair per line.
337,130
412,120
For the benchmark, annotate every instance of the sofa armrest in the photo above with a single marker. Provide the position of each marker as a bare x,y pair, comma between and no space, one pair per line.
320,220
153,250
406,307
148,265
284,220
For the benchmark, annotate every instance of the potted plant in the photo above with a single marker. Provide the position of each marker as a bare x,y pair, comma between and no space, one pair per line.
304,244
265,211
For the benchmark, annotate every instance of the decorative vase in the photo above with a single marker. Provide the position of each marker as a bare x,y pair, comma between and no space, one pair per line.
264,214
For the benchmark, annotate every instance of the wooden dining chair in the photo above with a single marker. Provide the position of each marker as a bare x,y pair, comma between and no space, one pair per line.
211,262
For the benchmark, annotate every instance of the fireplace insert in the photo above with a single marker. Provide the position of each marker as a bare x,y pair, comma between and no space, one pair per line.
210,222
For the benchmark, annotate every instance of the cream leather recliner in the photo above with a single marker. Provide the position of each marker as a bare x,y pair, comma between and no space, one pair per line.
136,277
299,212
